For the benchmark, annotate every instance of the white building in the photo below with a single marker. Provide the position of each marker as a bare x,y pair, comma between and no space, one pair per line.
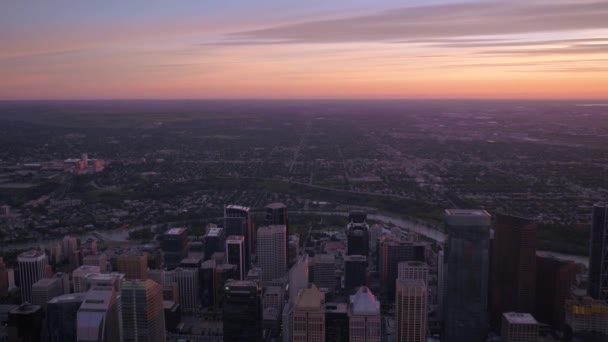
365,321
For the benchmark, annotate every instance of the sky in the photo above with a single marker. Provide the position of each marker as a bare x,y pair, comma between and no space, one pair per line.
152,49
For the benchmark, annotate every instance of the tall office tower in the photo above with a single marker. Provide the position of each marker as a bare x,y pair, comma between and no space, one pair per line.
518,327
237,221
61,317
3,278
365,320
598,259
99,316
174,245
513,276
173,315
207,283
106,280
410,310
322,271
235,254
64,278
134,265
56,254
188,287
587,314
143,315
46,289
224,273
298,277
357,234
413,270
272,252
214,241
69,245
337,322
32,267
273,297
355,271
80,275
375,232
276,214
25,323
242,312
309,316
293,249
467,266
100,260
393,250
554,279
75,259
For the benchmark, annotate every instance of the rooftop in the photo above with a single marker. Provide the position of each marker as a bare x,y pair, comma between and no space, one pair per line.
214,232
276,205
237,207
235,238
44,282
467,217
31,254
175,231
310,298
363,302
69,298
324,258
519,318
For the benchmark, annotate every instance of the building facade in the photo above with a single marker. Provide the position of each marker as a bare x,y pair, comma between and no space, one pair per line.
272,252
598,258
411,310
32,267
365,321
467,267
518,327
242,311
142,311
309,316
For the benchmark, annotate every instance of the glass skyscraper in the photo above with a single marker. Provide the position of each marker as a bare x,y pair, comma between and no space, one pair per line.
467,267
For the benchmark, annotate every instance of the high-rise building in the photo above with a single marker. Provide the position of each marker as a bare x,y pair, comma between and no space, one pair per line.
411,310
235,254
142,311
298,277
554,279
273,297
276,214
391,251
99,316
46,289
518,327
100,260
322,271
309,316
188,285
337,322
598,259
69,246
365,320
174,245
25,323
80,275
513,276
413,270
214,241
3,278
242,311
375,232
237,221
62,316
293,249
355,271
32,267
467,267
272,252
587,314
106,280
357,234
133,264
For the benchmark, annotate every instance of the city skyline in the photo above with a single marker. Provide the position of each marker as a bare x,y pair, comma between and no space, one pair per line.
284,49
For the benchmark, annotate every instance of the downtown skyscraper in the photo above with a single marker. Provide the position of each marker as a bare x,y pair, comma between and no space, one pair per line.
513,272
143,318
598,259
32,267
272,252
467,267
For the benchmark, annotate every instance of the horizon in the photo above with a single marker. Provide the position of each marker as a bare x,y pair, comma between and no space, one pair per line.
286,50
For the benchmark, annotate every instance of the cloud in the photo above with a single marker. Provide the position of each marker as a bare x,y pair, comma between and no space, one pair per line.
442,21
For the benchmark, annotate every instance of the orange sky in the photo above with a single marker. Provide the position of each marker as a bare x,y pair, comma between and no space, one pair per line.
346,56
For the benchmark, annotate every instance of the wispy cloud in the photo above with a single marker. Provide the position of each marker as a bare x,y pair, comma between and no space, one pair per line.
442,21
